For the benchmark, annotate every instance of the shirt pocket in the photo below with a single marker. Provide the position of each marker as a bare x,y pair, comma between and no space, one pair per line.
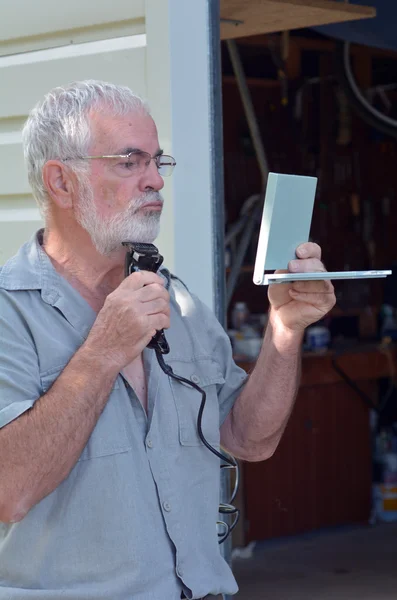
207,375
109,435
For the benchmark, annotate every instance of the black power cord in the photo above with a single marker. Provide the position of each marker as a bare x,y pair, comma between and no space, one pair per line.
141,256
224,508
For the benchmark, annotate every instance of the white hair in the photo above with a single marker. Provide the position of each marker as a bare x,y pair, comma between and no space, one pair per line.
58,127
108,234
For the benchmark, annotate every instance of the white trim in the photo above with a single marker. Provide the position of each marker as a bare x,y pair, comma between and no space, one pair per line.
85,49
178,95
191,125
66,38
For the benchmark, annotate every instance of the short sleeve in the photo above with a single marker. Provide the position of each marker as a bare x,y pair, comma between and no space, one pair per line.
221,351
19,369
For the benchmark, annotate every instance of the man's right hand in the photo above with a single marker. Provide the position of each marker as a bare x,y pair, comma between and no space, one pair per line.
130,317
64,417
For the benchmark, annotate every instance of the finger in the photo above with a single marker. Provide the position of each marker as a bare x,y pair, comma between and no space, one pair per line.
281,271
308,250
309,265
157,306
152,291
137,280
157,322
323,286
320,301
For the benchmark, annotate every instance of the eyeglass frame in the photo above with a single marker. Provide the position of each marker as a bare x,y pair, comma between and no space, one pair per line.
132,153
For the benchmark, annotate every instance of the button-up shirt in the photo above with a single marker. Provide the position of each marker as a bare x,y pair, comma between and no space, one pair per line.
136,517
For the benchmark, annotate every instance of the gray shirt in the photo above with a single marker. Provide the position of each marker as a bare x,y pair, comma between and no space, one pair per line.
136,517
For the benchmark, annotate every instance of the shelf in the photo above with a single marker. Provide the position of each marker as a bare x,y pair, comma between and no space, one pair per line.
362,363
245,269
245,18
252,81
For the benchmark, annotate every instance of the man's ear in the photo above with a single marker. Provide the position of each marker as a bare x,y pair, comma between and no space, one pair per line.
60,183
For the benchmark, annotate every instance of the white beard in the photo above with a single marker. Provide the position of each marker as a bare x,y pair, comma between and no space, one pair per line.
131,225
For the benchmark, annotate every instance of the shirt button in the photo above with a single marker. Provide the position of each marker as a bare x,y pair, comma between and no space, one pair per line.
195,378
149,443
167,506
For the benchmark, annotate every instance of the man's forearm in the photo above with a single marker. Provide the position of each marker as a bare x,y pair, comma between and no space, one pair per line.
254,427
39,448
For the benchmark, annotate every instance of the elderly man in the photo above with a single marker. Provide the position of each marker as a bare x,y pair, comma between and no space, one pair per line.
106,489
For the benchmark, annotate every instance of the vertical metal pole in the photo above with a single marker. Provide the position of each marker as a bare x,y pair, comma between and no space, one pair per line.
217,194
216,153
249,110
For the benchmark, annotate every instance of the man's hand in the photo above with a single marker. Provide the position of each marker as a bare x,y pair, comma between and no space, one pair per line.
130,317
299,304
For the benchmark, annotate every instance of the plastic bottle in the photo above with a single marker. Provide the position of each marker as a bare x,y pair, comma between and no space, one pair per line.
389,325
239,316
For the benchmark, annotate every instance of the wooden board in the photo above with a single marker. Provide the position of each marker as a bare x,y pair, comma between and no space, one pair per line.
320,475
362,364
245,18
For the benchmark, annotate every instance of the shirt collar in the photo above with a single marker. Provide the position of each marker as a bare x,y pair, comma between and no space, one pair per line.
32,269
29,269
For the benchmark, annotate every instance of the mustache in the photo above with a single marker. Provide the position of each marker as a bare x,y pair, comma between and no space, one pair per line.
146,198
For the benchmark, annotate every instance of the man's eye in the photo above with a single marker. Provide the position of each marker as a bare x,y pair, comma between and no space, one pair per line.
130,165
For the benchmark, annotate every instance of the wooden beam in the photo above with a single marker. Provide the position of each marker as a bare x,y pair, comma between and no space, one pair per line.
245,18
316,45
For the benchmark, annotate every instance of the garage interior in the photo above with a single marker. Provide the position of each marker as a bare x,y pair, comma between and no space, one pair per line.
318,519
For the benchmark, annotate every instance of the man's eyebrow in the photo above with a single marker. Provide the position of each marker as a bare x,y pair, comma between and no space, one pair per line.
131,150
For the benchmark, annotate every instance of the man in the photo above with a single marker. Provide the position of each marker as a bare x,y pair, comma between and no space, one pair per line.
106,489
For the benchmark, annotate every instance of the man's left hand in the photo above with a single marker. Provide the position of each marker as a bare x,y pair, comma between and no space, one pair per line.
301,303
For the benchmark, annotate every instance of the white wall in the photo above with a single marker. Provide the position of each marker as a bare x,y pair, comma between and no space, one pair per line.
149,45
27,25
25,78
41,47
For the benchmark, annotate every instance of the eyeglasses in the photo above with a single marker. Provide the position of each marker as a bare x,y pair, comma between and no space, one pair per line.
136,163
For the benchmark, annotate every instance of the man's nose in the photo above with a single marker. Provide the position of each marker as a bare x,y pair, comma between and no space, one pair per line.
151,178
